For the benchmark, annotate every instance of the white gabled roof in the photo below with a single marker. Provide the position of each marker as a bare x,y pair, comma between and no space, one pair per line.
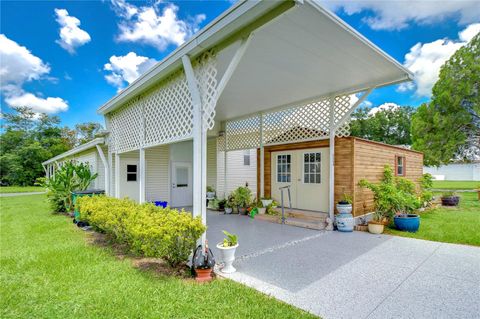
298,51
81,148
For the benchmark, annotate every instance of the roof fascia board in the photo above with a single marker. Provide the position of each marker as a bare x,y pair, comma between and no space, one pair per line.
220,33
76,150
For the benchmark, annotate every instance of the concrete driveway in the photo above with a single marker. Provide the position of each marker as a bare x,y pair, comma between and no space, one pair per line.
353,275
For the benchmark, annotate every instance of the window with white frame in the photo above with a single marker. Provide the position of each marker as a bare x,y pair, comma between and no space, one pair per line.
131,173
400,165
246,158
284,163
312,164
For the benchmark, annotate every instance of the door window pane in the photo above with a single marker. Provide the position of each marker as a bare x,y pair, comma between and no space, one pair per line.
312,168
283,168
182,176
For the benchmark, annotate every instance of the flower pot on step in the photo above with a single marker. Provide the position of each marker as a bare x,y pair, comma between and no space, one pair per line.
266,202
227,255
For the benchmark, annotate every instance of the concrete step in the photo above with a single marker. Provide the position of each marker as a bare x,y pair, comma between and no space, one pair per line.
318,225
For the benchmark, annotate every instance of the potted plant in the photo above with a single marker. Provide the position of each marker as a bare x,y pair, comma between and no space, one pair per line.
450,199
202,264
377,224
266,201
229,204
221,205
407,222
213,204
242,198
227,251
210,192
344,206
261,208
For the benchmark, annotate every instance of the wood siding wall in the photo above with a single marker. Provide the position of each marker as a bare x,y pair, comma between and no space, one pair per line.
354,159
370,159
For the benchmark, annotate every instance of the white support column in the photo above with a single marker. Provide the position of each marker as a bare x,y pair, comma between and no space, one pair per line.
199,165
117,175
331,186
110,174
106,169
262,160
141,176
225,192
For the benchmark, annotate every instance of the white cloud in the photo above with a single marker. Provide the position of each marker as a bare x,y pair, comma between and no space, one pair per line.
384,107
71,36
154,26
18,66
396,15
126,68
425,60
38,104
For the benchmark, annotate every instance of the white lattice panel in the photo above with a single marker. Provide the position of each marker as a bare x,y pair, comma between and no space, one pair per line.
165,113
168,111
243,133
205,70
298,123
126,126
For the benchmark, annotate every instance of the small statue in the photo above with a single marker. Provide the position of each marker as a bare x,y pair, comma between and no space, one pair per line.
329,224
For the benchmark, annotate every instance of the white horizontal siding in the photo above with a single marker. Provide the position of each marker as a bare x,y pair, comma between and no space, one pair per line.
157,173
238,174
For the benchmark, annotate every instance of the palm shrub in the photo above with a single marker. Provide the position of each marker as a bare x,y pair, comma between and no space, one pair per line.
145,229
393,195
69,177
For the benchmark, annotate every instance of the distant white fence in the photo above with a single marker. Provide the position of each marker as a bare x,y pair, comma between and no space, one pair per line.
455,172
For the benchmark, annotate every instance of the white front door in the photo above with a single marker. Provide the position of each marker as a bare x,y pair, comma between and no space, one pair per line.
284,174
306,171
129,186
182,190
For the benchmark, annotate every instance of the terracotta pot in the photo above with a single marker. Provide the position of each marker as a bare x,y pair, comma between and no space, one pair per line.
375,228
203,275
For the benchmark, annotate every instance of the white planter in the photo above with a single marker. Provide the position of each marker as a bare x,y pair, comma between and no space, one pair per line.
266,202
375,228
228,210
344,208
210,195
227,255
261,210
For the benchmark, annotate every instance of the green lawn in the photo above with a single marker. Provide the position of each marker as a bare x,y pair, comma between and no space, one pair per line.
48,270
456,184
459,225
20,189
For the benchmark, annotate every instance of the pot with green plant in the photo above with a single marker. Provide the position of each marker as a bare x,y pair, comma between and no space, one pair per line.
221,205
227,252
242,198
344,206
210,192
377,224
266,201
450,199
229,204
261,208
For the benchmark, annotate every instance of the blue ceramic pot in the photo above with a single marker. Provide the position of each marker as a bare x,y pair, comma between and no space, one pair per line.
345,222
407,222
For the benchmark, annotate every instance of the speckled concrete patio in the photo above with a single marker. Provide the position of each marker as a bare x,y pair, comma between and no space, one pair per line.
353,275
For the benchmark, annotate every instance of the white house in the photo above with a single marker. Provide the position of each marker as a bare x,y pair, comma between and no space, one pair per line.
253,74
456,171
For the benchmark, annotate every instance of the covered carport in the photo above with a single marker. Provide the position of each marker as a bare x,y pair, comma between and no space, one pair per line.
255,72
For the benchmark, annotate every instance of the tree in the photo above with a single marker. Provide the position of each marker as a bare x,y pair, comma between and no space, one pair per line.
448,128
391,126
87,131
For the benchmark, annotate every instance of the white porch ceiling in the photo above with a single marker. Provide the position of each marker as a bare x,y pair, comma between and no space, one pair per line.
302,54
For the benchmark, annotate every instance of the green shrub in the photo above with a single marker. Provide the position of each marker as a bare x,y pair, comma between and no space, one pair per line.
145,229
393,195
242,196
70,176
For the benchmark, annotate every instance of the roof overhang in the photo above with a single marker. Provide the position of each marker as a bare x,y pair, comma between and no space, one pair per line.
81,148
298,51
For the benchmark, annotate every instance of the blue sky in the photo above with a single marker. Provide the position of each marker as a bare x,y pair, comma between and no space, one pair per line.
68,58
